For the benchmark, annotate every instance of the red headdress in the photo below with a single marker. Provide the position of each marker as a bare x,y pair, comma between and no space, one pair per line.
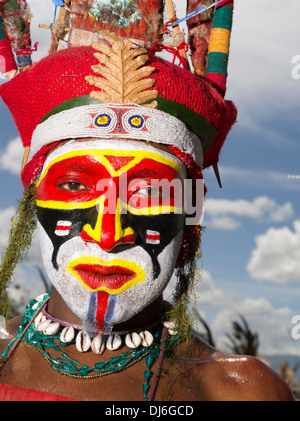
63,96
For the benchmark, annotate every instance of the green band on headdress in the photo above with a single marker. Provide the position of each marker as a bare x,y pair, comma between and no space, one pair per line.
194,121
2,36
69,104
223,18
217,63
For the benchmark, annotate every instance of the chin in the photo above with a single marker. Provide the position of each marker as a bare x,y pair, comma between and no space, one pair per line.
99,308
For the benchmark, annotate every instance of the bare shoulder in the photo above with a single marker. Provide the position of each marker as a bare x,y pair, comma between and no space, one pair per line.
225,377
252,379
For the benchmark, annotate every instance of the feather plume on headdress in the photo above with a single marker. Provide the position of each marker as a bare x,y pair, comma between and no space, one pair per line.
123,71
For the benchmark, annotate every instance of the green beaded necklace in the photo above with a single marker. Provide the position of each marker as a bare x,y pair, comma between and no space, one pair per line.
65,365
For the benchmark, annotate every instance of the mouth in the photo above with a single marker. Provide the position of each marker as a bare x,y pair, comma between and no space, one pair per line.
104,278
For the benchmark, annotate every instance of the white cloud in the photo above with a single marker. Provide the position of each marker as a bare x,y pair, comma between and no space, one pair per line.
34,253
25,286
26,282
43,13
11,158
223,223
261,55
273,325
276,257
261,180
222,213
209,294
5,217
220,307
260,79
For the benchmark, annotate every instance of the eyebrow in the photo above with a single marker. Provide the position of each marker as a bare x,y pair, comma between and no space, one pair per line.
143,172
93,167
69,165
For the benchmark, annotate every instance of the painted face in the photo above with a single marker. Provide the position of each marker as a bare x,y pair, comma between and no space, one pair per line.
110,222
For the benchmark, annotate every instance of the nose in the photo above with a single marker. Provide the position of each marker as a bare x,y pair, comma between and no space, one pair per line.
108,232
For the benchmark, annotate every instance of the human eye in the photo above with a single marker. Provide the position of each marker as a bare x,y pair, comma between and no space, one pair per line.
150,192
145,194
72,186
145,190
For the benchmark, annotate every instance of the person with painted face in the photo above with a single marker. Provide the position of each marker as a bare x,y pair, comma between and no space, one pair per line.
110,234
115,140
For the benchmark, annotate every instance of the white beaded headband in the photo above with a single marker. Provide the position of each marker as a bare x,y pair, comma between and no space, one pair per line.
111,121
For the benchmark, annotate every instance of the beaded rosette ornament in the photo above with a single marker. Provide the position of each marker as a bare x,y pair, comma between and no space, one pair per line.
111,83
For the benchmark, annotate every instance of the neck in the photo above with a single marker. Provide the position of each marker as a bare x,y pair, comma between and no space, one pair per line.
149,317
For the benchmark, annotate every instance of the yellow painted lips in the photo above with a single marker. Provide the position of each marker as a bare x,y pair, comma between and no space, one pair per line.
113,277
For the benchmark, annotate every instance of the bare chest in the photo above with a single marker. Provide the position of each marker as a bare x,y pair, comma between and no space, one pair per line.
27,368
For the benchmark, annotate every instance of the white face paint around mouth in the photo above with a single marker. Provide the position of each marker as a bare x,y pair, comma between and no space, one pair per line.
119,307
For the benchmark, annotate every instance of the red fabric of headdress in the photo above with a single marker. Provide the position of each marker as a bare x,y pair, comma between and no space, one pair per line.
59,77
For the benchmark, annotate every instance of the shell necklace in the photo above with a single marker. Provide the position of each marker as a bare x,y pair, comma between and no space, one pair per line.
45,334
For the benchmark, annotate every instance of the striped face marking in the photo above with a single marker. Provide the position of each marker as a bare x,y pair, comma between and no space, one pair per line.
63,228
109,217
152,237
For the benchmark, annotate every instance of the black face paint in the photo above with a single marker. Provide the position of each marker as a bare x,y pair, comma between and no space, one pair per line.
167,225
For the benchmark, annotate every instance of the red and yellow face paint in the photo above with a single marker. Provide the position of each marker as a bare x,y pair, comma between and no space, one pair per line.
114,199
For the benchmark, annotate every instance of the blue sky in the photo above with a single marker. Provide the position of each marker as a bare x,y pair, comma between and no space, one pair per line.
251,245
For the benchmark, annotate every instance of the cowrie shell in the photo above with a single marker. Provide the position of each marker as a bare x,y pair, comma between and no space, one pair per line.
169,324
98,345
67,334
52,329
40,297
39,318
42,326
83,341
35,306
39,300
133,340
114,342
147,338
